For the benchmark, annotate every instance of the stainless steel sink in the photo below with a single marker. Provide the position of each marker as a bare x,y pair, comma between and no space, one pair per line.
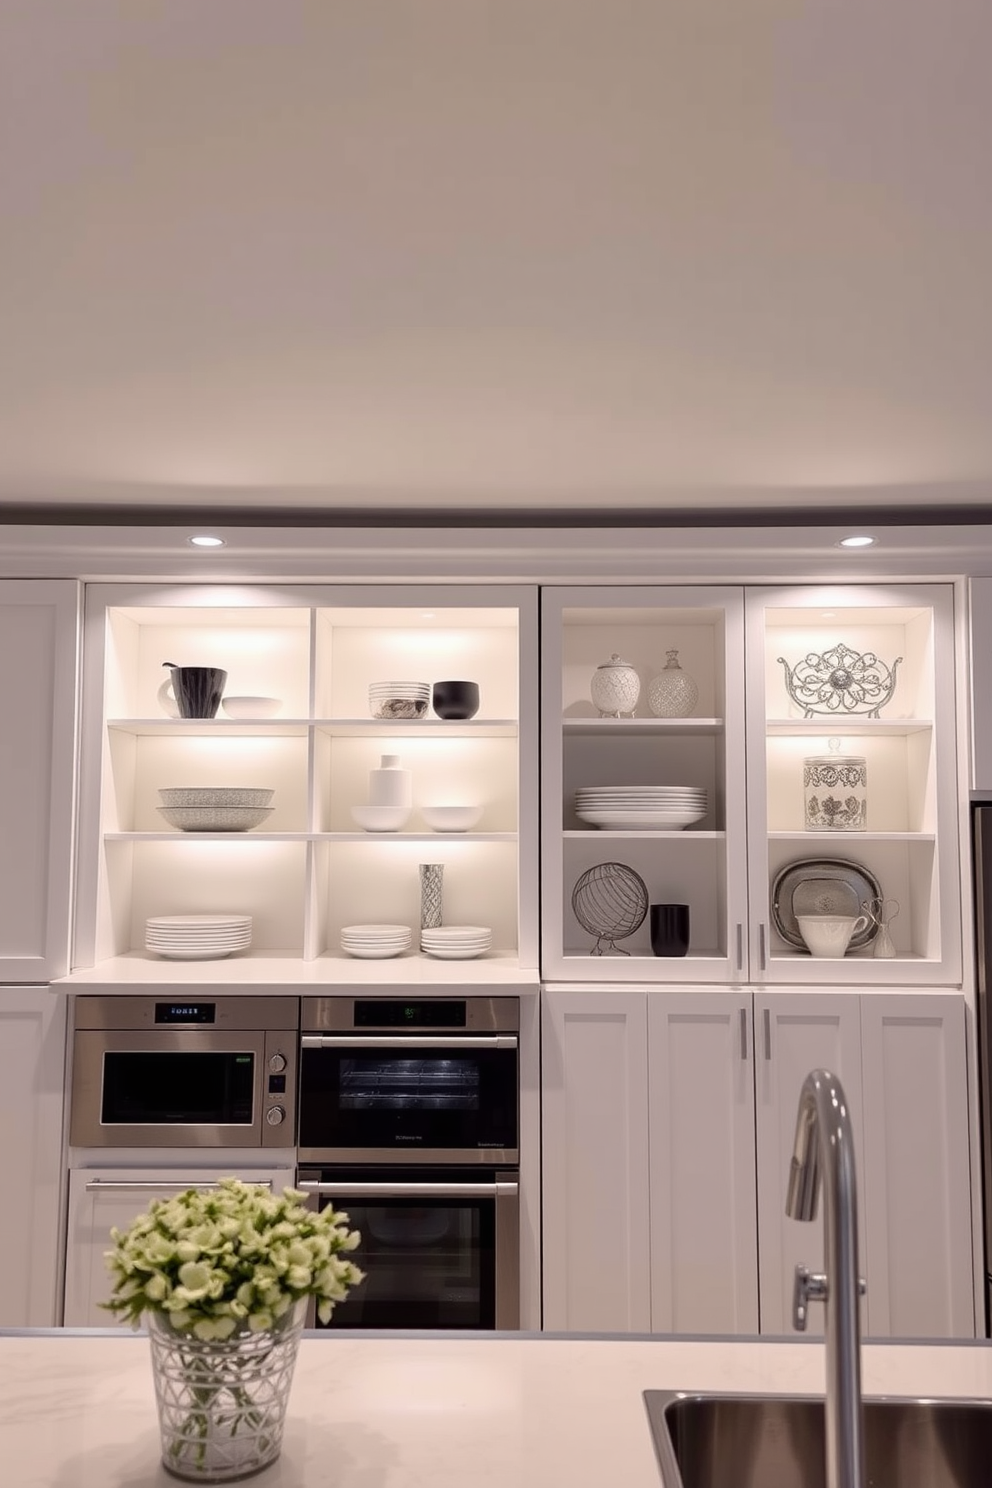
777,1441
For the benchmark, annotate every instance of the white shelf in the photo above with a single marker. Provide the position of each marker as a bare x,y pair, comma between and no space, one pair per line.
847,728
342,728
254,836
852,839
640,727
680,834
205,728
261,972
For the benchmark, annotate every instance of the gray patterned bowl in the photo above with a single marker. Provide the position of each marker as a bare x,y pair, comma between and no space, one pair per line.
190,795
215,818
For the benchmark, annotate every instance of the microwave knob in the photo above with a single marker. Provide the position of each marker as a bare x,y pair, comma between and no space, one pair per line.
277,1062
275,1115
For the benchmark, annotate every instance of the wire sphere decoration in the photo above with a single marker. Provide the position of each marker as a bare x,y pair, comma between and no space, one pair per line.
610,901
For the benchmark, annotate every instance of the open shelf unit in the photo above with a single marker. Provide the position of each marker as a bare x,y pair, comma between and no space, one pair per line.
311,870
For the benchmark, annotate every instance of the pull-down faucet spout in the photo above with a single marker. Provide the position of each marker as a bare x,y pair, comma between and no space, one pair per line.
825,1146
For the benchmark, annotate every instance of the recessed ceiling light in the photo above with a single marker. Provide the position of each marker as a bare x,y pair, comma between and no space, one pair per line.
858,540
202,540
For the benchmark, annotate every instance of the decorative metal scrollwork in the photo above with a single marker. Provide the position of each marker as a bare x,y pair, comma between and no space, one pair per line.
841,681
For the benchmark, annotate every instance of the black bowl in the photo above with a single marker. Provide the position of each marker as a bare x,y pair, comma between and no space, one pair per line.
455,699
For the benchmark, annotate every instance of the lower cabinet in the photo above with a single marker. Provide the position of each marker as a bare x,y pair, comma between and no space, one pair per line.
32,1063
100,1198
668,1128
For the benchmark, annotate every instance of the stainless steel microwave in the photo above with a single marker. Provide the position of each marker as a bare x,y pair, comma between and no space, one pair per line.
184,1071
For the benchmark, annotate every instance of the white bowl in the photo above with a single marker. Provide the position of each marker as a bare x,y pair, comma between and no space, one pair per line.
215,818
251,707
381,818
451,818
210,795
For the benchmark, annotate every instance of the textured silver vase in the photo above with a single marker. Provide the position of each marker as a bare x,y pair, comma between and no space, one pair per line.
431,888
222,1405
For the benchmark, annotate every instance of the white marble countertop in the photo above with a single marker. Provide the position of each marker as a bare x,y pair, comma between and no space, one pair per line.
425,1411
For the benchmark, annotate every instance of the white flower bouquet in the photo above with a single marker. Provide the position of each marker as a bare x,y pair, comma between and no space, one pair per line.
230,1260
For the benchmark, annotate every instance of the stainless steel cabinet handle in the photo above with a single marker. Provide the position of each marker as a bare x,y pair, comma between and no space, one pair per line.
767,1016
744,1033
740,947
411,1190
409,1041
762,951
175,1185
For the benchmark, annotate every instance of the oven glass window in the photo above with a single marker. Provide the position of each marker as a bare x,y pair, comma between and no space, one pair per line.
428,1263
177,1089
409,1084
374,1098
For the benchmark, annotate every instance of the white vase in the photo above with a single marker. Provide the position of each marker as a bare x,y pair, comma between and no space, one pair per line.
390,785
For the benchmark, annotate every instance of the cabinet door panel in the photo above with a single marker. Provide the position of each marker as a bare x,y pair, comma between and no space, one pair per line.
32,1040
595,1161
704,1261
100,1198
38,629
916,1186
795,1033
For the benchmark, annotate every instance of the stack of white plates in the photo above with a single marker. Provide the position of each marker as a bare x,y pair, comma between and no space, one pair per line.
399,699
640,808
456,942
197,937
375,942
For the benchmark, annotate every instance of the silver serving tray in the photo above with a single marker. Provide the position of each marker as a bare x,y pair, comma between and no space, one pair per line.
822,886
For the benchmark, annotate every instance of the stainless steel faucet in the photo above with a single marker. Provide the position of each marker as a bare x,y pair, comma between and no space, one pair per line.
825,1143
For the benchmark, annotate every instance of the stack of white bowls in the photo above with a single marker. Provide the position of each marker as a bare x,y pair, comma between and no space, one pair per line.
456,942
640,808
399,699
197,937
376,942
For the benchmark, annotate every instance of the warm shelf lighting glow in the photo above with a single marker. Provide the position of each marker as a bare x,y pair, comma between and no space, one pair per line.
203,540
859,540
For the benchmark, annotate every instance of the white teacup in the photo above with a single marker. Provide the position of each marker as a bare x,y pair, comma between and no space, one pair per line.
829,935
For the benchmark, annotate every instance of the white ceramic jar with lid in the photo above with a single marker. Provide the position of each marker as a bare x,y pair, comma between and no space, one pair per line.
615,688
836,791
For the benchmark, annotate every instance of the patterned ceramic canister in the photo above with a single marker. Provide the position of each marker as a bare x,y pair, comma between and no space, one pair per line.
673,693
836,788
615,688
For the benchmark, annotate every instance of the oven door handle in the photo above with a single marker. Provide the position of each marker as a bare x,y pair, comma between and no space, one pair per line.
409,1041
498,1190
176,1185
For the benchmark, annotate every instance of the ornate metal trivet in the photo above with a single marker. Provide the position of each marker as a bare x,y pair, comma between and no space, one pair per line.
841,681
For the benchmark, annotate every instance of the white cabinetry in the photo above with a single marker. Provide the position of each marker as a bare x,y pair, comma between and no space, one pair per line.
32,1041
720,1075
703,865
795,1033
38,648
310,869
885,650
704,1235
596,1228
101,1198
849,644
916,1184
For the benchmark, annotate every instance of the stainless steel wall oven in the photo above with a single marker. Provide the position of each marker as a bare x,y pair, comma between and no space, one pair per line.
408,1120
184,1072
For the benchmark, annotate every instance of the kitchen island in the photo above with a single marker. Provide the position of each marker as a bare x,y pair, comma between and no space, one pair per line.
441,1410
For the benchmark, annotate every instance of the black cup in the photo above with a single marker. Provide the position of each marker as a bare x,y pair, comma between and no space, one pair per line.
198,690
670,929
455,699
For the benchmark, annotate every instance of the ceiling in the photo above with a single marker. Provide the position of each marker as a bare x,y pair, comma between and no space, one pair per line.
574,256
